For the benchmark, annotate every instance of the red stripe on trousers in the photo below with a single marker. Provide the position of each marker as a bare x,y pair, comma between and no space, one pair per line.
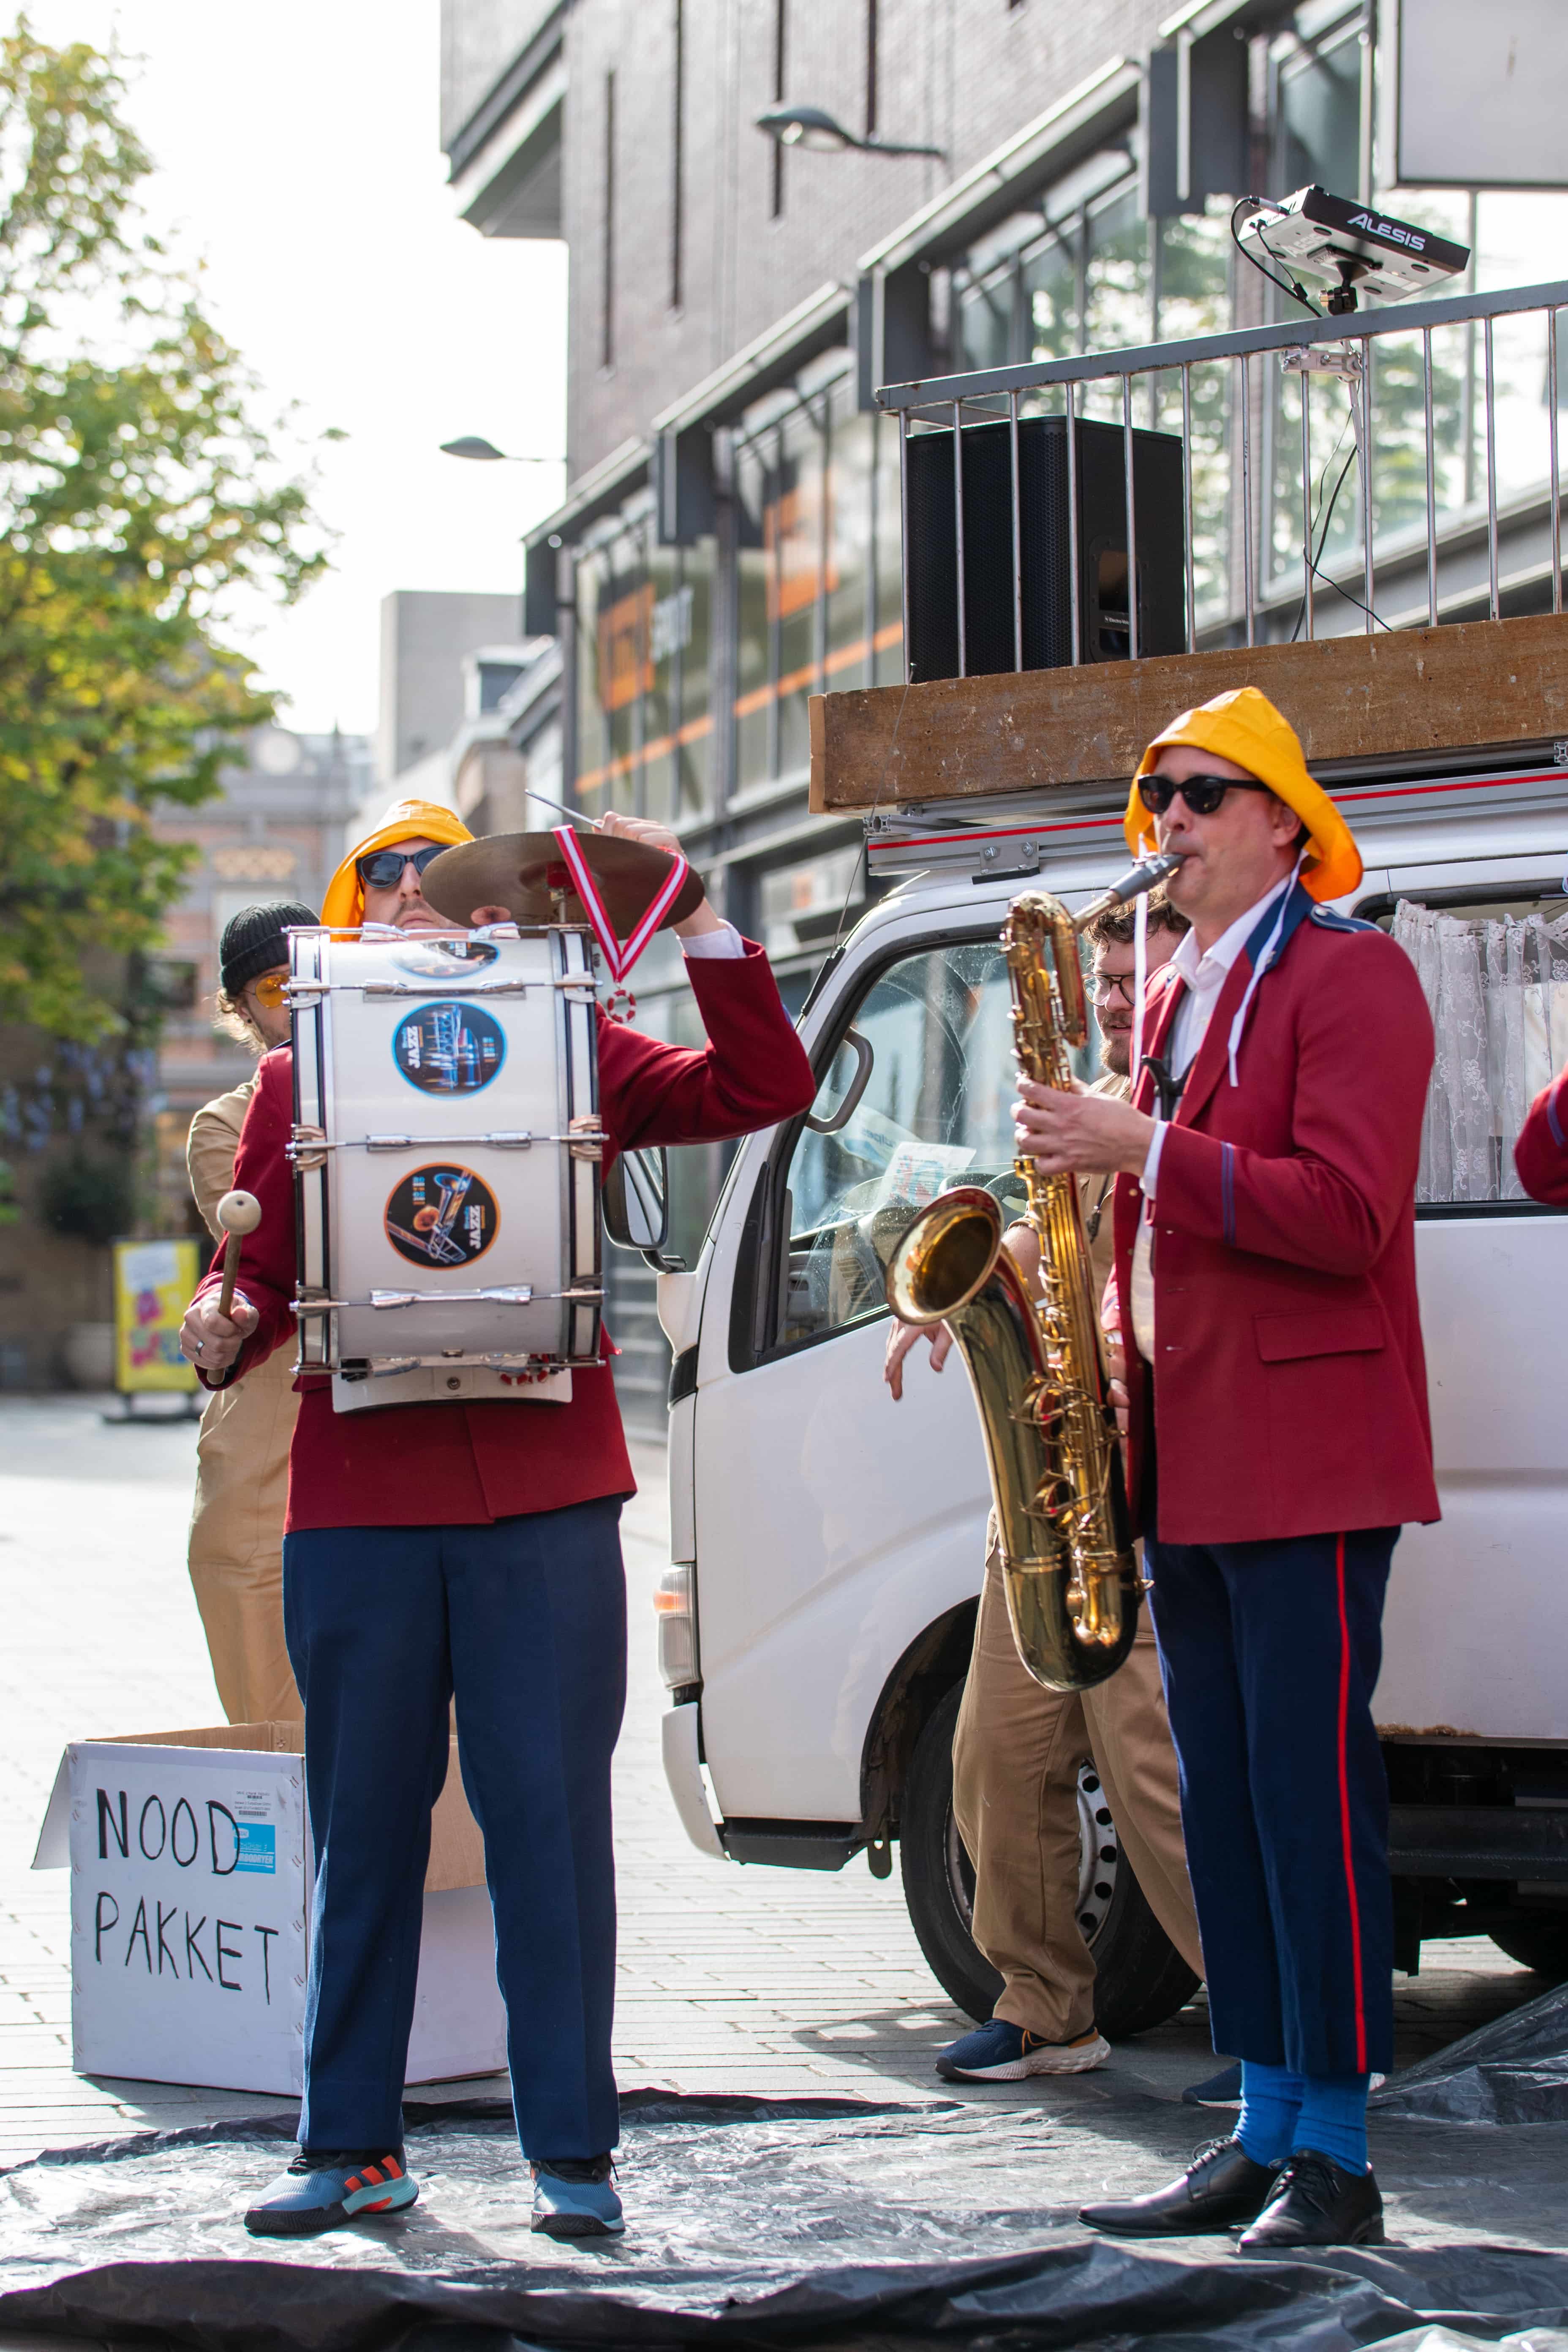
1345,1813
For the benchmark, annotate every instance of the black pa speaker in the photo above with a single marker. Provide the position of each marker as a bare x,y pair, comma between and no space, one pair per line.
931,551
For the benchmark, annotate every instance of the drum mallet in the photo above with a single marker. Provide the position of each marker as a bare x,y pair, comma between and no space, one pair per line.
238,1213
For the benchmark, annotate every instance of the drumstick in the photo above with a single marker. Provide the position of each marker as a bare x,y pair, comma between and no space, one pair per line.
577,814
238,1213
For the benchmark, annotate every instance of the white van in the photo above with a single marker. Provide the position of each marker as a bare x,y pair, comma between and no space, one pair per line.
816,1623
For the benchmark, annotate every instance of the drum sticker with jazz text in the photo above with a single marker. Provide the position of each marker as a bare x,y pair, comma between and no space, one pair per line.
449,1049
442,1216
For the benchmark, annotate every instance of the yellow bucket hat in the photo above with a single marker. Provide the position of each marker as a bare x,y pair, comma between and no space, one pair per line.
343,906
1244,726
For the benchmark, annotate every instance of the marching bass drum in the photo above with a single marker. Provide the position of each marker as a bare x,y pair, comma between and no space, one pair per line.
446,1149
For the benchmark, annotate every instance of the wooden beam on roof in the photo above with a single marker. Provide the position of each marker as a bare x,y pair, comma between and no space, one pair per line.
1472,685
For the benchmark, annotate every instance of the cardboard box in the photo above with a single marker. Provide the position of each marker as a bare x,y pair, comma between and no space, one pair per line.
191,1867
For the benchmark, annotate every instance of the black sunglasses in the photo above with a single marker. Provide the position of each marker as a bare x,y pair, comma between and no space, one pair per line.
1202,794
383,868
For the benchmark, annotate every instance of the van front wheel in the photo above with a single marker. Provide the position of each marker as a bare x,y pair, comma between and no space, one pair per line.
1141,1978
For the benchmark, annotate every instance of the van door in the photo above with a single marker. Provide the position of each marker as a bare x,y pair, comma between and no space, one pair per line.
1477,1623
832,1525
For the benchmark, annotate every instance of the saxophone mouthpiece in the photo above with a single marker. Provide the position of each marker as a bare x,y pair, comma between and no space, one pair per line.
1146,875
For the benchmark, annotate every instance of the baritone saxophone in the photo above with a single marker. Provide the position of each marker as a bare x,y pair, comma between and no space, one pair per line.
1035,1367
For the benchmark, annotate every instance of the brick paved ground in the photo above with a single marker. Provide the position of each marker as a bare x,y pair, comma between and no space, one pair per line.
760,1980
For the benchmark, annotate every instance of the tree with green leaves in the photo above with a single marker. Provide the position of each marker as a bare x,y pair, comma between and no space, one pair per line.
139,497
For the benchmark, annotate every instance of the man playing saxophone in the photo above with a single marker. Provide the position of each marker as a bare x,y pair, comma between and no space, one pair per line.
1019,1746
1277,1437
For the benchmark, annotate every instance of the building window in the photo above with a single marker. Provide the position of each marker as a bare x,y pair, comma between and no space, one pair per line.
818,592
677,157
644,719
1315,100
802,906
607,286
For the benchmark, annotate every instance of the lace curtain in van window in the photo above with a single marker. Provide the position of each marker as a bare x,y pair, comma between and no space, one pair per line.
1498,996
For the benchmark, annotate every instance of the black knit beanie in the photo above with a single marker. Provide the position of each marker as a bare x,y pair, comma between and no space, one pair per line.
255,940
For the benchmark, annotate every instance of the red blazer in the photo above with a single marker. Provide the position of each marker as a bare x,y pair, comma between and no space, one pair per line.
429,1465
1289,1387
1541,1155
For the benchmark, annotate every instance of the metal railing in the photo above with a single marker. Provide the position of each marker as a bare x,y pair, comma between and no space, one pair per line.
1343,346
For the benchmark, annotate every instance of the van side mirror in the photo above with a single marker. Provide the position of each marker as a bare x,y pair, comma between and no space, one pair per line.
637,1206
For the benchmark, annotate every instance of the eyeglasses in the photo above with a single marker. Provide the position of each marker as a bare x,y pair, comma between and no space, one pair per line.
381,869
271,989
1202,794
1113,983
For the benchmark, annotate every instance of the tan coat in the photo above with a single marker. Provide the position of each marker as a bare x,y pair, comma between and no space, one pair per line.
1016,1756
242,1480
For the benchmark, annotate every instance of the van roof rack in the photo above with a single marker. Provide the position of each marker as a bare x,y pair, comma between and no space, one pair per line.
1005,837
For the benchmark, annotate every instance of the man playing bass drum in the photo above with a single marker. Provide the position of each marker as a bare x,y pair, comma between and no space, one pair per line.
1278,1428
468,1548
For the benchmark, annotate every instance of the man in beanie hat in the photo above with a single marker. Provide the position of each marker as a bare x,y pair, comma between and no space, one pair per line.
1278,1436
470,1549
235,1553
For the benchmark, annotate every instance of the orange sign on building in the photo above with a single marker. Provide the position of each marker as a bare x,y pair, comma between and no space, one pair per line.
626,648
795,530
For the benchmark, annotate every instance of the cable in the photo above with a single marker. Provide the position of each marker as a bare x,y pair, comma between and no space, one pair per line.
1313,564
1292,286
876,798
1312,529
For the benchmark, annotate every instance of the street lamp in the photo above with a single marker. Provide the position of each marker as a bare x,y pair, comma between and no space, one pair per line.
474,445
813,127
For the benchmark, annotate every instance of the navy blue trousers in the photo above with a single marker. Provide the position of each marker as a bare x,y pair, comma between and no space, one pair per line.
526,1620
1270,1653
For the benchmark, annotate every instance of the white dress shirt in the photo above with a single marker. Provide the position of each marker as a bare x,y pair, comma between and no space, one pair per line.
725,942
1205,972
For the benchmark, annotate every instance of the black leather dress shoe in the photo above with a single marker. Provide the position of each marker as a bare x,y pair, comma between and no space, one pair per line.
1315,2203
1221,2187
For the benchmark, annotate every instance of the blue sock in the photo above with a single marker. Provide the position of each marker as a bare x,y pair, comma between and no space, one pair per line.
1333,2119
1270,2100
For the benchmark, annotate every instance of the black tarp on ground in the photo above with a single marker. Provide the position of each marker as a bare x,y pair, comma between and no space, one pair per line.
766,2223
1514,2071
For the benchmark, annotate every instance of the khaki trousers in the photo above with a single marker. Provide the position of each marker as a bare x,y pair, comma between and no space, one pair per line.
237,1540
1016,1758
242,1480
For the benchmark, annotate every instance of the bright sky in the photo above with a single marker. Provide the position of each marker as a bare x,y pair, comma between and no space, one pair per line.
299,161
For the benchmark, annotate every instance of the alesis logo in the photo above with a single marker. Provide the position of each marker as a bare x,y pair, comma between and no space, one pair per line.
1375,228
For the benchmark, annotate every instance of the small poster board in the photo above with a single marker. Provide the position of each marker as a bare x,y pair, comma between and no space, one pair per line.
152,1286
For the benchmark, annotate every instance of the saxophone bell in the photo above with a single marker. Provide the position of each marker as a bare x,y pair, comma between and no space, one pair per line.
1036,1371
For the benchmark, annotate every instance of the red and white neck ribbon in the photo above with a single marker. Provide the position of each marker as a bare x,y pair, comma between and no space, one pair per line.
618,953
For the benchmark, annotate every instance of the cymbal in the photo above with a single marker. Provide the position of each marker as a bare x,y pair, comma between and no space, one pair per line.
526,873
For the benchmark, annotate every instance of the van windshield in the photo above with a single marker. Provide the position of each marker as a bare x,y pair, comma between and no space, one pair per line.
936,1112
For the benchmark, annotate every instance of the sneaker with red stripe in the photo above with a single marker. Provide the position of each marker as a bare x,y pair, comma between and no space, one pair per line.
325,2188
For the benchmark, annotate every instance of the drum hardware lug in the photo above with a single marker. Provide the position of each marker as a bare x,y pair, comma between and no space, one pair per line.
585,1137
374,991
582,1295
308,1147
316,1302
508,1295
508,1139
